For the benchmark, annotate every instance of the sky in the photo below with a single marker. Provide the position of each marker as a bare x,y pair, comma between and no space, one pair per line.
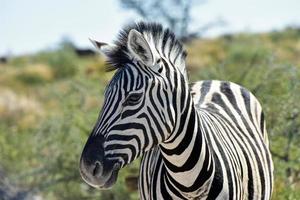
33,25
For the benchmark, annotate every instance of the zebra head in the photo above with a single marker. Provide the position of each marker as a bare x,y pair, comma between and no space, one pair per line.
143,101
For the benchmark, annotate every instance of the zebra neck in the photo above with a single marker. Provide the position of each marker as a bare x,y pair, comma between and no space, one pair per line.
187,157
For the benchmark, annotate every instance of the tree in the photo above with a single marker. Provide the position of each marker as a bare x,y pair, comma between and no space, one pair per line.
176,14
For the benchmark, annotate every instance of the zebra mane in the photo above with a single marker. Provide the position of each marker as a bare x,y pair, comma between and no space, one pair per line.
163,40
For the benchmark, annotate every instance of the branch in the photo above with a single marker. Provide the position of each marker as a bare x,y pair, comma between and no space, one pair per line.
135,5
199,31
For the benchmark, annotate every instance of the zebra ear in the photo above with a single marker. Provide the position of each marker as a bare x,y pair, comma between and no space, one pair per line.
139,47
102,47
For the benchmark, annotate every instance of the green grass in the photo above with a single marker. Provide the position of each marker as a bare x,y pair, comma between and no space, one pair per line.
50,101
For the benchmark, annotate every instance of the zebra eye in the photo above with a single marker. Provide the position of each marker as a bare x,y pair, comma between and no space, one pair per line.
132,99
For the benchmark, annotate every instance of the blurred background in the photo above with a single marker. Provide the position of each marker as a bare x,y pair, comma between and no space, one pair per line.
52,82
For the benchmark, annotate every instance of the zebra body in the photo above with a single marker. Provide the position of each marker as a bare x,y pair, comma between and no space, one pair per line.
207,141
233,126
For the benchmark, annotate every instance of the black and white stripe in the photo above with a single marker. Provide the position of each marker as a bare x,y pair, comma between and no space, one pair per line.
205,141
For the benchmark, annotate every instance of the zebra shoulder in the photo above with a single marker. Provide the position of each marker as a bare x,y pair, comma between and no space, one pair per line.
207,91
214,95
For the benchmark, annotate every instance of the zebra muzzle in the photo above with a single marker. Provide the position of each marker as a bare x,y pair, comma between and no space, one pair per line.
100,175
94,168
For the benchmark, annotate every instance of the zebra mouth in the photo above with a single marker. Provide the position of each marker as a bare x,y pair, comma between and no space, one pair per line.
112,178
99,178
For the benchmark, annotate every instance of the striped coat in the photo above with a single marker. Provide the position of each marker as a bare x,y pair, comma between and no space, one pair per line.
236,163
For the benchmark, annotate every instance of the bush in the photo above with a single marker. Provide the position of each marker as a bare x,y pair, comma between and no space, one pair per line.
35,74
63,63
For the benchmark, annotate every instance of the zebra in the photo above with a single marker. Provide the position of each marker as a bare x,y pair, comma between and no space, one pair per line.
205,140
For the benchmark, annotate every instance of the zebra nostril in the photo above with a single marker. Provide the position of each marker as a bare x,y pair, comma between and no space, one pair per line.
97,171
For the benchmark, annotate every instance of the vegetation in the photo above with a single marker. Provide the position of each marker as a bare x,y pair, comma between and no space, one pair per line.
50,101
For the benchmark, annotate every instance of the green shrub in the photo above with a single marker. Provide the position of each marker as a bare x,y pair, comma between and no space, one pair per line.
35,74
62,60
63,64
